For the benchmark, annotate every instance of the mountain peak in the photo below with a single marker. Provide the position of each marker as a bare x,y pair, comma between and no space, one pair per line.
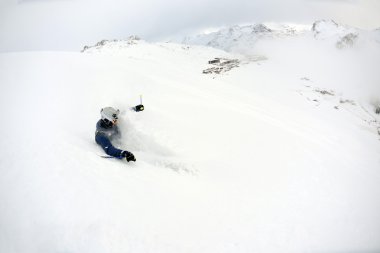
323,24
324,29
131,40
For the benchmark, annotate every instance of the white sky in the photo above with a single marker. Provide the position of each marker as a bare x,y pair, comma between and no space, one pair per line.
71,24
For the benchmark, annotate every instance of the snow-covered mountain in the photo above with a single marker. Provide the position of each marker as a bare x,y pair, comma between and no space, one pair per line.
277,152
239,38
344,36
323,29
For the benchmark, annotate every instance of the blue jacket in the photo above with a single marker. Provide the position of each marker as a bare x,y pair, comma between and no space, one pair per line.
104,135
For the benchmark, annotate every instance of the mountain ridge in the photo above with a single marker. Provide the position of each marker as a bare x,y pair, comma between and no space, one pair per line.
246,36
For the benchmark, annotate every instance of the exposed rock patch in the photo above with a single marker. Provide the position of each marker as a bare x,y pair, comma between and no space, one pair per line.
221,65
347,41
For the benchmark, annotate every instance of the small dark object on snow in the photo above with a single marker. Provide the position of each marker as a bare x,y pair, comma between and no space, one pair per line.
378,110
139,108
216,60
325,92
215,70
342,101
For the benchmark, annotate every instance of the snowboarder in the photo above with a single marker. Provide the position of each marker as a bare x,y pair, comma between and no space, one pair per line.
107,131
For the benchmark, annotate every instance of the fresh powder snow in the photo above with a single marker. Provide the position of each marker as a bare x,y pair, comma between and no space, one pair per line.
274,147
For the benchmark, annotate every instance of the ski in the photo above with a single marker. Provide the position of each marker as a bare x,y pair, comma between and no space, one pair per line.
107,156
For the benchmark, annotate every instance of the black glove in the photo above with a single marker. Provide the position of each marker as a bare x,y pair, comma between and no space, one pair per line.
139,108
128,156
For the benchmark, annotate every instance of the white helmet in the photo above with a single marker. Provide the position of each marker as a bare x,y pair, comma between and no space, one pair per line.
110,114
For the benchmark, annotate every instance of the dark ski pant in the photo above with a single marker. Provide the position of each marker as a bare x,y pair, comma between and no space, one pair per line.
107,146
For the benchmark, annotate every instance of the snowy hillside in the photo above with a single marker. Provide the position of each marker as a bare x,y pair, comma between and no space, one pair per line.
275,152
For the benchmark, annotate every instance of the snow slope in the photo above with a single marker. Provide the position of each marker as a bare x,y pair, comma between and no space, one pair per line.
280,154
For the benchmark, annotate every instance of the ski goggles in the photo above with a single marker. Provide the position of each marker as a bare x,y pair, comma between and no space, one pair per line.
114,121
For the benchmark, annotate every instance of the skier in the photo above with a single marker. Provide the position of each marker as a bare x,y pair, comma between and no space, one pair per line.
107,131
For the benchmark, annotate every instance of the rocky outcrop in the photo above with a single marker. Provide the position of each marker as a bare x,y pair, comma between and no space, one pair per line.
347,41
221,65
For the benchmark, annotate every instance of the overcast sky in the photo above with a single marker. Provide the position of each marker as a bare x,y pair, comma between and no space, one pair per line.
71,24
